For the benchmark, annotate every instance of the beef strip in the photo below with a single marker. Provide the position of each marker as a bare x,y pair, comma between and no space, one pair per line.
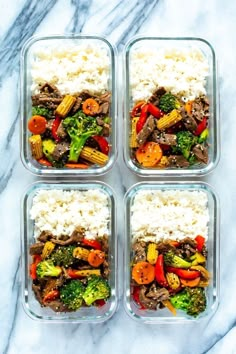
105,243
200,108
159,294
106,130
53,283
36,248
177,161
58,306
46,101
77,105
149,303
201,153
76,236
147,130
45,236
100,121
50,88
105,97
61,132
162,138
60,150
140,251
155,98
104,108
105,269
164,246
49,124
38,294
189,121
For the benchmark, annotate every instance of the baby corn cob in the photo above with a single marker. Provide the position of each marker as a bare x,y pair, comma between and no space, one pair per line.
36,146
47,249
93,156
163,163
65,106
133,138
152,253
173,280
81,253
87,272
169,119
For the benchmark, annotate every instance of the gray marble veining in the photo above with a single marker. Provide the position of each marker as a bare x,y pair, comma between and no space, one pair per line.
213,20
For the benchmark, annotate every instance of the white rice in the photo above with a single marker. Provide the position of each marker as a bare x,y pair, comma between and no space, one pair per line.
71,68
182,72
60,212
169,214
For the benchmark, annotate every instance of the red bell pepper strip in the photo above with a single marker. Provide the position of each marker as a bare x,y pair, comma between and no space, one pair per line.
55,126
201,126
135,294
174,243
33,267
183,273
137,108
200,242
103,144
142,118
51,295
159,271
155,111
92,243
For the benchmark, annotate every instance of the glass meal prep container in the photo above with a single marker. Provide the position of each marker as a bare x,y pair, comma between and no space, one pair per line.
57,304
171,290
170,106
68,105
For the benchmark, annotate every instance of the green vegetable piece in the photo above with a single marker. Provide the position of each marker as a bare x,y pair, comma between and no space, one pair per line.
185,141
47,269
48,148
71,294
63,256
172,260
168,102
203,136
97,289
190,300
42,111
80,127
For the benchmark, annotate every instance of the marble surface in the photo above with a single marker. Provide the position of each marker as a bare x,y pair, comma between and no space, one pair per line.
118,20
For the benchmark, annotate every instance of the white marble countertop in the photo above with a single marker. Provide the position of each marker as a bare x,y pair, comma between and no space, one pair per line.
118,20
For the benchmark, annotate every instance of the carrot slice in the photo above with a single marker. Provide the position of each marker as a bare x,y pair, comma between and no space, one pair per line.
90,107
190,282
76,165
149,154
188,107
143,273
37,124
44,162
96,258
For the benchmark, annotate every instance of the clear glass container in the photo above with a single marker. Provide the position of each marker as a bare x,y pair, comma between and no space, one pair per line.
28,56
162,43
162,316
32,307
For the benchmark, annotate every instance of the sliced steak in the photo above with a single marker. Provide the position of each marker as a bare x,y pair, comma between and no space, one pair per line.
159,294
38,294
61,132
58,306
45,236
104,108
77,105
147,130
166,139
189,121
155,98
36,248
149,303
140,251
49,88
201,153
76,236
200,108
60,150
177,161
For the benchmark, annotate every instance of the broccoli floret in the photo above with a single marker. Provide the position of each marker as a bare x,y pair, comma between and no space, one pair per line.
42,111
172,260
190,300
71,294
48,148
97,289
185,141
47,269
168,102
63,256
80,127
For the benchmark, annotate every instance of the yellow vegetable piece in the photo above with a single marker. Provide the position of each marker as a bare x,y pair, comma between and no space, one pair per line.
36,146
47,249
65,106
152,253
169,119
172,280
94,156
81,253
